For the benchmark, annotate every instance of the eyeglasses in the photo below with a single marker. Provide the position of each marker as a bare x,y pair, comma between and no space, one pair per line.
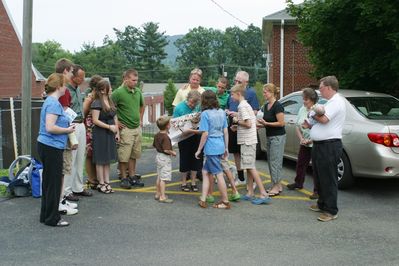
238,81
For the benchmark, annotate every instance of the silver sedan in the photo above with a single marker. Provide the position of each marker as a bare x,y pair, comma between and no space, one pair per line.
370,135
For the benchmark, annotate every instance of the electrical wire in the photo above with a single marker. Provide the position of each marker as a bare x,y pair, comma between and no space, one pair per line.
230,14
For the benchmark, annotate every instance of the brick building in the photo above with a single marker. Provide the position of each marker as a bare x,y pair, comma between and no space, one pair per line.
289,67
11,59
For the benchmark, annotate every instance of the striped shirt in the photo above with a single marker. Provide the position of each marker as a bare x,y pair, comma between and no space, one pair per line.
246,135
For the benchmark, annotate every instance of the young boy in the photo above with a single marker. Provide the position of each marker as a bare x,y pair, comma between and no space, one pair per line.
246,137
163,146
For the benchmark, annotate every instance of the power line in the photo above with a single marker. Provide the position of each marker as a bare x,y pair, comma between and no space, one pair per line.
224,10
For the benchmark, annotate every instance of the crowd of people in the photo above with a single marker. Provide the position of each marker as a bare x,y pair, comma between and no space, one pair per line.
107,126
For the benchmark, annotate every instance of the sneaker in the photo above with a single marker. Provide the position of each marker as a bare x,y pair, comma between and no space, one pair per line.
314,196
64,209
125,184
314,208
247,197
235,197
84,193
210,199
326,217
260,201
293,186
72,197
69,204
135,182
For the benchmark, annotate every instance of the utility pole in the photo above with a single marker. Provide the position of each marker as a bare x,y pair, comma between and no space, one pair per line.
26,127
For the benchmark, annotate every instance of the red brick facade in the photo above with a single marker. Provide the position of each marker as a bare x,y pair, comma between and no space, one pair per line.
296,64
11,60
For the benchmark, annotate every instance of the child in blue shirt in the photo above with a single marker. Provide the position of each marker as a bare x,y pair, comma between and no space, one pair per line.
214,140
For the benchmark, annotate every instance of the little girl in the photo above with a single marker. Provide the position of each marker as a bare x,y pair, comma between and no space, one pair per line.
105,134
214,138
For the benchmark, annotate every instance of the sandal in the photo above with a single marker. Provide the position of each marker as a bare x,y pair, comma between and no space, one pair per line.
185,188
202,204
102,188
194,188
222,205
91,185
62,223
108,187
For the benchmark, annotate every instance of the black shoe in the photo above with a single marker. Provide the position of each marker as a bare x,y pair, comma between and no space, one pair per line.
135,182
84,193
293,186
137,176
125,184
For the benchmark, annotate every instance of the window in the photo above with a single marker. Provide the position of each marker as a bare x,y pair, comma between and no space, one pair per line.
292,104
376,108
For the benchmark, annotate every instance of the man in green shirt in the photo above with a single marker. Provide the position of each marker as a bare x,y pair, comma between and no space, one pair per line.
129,104
221,91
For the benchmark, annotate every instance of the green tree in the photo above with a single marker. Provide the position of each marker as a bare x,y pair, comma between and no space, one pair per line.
128,39
107,60
169,95
357,41
45,55
152,51
199,48
259,93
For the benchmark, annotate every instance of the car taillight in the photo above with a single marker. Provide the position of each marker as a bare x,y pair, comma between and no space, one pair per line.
386,139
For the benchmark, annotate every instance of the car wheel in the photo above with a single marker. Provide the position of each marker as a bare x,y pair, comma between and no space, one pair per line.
345,177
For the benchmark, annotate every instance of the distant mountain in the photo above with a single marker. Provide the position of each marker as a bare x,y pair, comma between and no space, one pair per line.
171,50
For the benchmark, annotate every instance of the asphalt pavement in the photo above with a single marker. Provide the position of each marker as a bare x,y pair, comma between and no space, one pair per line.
130,228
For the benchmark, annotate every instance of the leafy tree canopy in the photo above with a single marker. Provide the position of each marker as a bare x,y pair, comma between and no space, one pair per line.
357,41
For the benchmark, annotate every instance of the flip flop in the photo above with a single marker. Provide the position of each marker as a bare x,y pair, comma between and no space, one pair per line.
167,200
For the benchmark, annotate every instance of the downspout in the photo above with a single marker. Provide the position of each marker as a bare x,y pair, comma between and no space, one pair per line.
282,59
268,63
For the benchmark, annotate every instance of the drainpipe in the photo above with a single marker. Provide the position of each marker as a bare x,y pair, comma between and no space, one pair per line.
282,59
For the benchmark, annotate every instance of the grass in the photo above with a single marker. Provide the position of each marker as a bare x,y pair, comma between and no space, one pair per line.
3,172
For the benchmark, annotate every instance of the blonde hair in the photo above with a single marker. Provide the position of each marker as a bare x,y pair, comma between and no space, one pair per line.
54,82
238,88
272,89
196,71
163,121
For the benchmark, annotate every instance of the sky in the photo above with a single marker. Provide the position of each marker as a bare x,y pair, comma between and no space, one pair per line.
75,22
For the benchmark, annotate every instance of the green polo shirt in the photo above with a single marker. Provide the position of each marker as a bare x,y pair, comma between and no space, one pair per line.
76,102
128,103
222,98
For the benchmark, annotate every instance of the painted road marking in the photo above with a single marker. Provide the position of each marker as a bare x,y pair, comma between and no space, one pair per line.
152,189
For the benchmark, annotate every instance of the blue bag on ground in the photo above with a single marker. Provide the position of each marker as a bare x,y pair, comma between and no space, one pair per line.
28,179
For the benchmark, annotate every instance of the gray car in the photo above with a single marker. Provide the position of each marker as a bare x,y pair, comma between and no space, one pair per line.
370,135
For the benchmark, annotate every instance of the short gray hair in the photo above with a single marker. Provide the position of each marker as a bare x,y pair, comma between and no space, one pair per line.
244,75
330,81
195,95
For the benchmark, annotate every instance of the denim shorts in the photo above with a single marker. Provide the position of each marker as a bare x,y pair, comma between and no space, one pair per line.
213,164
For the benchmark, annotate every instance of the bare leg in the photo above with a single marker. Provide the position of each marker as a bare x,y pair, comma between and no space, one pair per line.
237,161
183,178
205,184
255,176
211,184
100,173
162,186
222,187
158,191
132,167
106,173
250,184
230,177
122,169
193,177
91,171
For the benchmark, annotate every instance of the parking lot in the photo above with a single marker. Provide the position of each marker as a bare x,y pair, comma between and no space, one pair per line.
130,228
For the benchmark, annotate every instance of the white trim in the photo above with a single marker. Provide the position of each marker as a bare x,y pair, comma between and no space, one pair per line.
282,59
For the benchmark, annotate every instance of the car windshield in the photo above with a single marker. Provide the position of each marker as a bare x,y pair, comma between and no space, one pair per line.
376,108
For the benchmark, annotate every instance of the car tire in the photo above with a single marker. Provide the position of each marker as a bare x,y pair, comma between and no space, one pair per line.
345,176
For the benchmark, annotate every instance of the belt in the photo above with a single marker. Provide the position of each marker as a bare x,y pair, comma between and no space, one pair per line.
325,141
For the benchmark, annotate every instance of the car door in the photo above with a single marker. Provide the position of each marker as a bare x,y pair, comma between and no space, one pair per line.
291,105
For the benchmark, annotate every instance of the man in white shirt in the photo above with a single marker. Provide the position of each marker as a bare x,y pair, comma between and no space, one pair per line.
327,148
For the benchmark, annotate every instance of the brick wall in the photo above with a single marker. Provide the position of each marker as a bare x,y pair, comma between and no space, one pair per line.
296,64
11,60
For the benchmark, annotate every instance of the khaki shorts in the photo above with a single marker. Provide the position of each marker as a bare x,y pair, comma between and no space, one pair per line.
129,146
164,166
248,156
225,164
67,162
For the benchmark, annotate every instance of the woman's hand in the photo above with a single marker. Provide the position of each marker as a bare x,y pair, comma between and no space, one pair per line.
71,128
262,121
233,128
113,128
197,154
